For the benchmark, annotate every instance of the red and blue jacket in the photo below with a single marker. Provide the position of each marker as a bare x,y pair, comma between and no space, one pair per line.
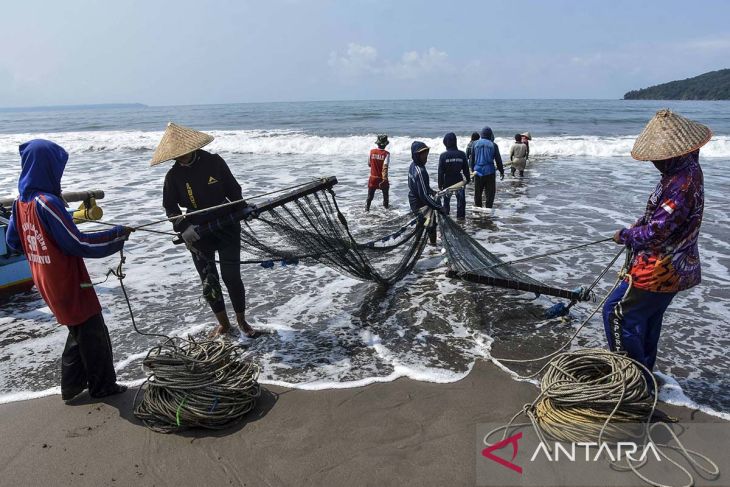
664,240
42,229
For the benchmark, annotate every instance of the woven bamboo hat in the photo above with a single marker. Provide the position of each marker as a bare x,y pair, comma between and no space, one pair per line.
669,135
178,141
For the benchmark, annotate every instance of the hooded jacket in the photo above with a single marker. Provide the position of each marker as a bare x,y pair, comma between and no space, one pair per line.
452,164
486,153
664,240
42,229
420,193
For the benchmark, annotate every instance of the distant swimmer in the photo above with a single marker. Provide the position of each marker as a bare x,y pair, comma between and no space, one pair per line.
196,181
420,193
42,229
486,153
453,168
518,156
378,161
663,242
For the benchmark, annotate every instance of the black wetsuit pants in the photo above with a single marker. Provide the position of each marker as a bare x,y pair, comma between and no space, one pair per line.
371,195
228,246
87,359
487,186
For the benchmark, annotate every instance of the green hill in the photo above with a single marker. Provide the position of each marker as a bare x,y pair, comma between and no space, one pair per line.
714,85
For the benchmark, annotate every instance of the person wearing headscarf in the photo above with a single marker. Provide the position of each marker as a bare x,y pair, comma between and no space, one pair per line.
378,161
42,229
665,256
196,181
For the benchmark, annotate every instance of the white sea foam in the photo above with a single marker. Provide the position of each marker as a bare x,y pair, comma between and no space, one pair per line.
273,142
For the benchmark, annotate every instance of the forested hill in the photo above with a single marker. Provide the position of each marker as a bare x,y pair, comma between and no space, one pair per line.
714,85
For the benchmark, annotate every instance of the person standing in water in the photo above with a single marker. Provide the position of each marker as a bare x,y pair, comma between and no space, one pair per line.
42,229
453,168
196,181
486,154
518,156
525,139
663,242
378,162
420,193
470,151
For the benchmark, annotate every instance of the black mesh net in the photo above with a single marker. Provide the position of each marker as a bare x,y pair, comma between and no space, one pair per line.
306,224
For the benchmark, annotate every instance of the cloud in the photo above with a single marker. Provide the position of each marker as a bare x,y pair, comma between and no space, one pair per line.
362,60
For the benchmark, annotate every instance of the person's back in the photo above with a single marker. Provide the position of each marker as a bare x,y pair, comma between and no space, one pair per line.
486,154
470,150
378,161
453,168
518,156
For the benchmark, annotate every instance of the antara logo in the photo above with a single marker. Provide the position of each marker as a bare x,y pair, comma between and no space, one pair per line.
512,440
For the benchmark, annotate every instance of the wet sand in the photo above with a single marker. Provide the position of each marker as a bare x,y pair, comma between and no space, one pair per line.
398,433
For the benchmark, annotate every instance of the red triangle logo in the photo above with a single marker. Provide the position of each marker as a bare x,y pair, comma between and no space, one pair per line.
512,440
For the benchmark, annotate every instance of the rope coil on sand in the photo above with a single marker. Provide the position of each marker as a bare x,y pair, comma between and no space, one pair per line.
206,384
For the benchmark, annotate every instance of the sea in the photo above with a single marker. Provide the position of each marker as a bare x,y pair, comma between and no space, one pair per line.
325,330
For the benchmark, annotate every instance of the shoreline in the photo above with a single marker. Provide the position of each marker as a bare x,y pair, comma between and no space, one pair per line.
399,432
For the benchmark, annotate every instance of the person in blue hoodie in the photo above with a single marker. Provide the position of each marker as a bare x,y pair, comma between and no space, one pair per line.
42,229
453,168
420,193
486,153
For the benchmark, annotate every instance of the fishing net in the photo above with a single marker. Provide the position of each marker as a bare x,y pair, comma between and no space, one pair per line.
469,261
306,224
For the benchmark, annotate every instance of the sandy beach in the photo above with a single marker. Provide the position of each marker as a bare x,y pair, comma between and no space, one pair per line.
398,433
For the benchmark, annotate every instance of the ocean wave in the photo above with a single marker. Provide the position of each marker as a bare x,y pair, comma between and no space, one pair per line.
277,142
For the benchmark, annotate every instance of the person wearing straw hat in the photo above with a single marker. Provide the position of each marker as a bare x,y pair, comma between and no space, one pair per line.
663,242
200,180
525,138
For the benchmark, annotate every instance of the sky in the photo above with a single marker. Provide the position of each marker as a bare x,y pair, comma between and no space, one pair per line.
182,52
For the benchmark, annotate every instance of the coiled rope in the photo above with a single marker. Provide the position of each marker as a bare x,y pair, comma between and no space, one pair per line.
208,383
595,395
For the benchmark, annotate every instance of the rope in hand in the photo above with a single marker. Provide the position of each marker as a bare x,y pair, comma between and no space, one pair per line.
207,383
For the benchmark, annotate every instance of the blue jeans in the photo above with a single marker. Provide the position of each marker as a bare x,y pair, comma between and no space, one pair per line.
460,203
633,323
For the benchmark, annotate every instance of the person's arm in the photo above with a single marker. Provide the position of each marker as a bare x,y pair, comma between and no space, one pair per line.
170,203
465,170
11,233
498,160
440,178
671,213
470,157
60,225
512,152
425,190
386,163
230,185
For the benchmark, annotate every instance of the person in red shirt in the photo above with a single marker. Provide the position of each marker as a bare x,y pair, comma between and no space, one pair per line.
378,162
42,229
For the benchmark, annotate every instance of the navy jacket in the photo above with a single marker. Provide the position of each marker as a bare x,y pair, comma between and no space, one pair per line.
452,164
420,193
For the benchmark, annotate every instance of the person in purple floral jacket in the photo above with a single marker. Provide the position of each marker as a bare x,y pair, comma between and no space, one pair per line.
663,242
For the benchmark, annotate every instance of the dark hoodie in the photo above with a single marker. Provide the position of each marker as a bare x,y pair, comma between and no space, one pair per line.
42,229
452,164
419,190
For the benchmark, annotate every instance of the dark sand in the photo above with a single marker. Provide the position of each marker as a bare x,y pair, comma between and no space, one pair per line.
399,433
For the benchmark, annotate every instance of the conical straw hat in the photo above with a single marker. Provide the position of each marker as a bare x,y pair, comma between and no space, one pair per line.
669,135
178,141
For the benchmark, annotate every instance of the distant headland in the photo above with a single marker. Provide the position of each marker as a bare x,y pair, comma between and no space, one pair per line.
714,85
100,106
